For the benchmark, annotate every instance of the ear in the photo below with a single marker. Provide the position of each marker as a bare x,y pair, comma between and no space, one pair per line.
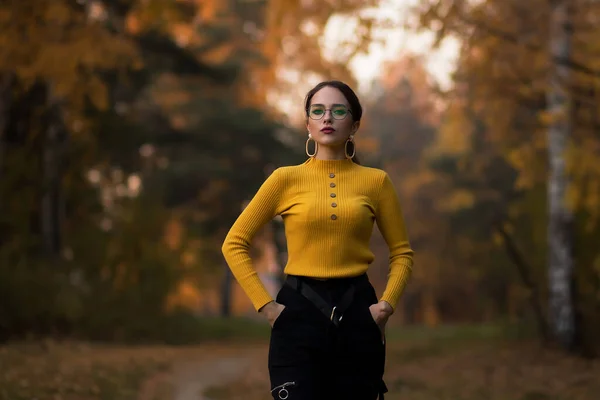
355,127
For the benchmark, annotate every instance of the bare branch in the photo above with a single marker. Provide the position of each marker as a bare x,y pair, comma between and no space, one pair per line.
524,271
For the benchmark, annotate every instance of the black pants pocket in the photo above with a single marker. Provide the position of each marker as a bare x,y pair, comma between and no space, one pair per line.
375,328
281,318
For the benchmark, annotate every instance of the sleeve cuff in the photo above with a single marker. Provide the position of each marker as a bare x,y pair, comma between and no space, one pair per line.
397,283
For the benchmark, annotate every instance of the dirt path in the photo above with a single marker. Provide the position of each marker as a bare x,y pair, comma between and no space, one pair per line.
192,378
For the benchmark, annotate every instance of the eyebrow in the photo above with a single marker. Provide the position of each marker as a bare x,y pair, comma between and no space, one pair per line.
333,105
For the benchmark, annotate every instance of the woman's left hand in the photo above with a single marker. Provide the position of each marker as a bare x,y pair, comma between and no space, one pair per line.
381,312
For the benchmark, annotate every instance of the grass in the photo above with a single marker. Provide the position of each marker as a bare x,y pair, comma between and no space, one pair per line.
187,329
232,329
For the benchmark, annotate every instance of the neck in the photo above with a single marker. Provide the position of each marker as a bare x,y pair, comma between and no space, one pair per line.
331,153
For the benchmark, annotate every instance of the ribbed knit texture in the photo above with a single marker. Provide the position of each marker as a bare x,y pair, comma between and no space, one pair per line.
328,208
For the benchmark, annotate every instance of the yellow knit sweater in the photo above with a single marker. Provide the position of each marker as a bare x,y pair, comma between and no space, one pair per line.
328,208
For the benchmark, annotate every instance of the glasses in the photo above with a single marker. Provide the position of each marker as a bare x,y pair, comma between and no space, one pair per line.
317,112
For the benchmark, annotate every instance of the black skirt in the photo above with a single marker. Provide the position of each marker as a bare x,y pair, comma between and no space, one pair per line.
313,357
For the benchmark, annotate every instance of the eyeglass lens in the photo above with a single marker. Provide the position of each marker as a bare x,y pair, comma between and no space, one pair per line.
337,112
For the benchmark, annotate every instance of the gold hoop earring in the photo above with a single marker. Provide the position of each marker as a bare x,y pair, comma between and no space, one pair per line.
350,140
316,146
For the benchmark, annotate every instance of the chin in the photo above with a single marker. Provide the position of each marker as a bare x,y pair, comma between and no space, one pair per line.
331,141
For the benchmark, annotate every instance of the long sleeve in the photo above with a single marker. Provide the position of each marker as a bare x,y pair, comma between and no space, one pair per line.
236,248
390,221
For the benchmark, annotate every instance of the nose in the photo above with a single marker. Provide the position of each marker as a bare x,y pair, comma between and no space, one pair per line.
328,116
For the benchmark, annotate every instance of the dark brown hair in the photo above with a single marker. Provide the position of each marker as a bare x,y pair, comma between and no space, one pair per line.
348,93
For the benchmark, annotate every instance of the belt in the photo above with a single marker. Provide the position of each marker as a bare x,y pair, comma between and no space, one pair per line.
334,313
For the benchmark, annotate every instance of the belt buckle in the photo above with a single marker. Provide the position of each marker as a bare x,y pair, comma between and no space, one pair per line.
333,315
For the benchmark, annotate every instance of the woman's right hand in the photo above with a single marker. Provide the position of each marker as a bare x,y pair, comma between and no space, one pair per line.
272,311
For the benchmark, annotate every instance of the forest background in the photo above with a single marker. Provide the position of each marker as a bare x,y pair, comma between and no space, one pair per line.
132,132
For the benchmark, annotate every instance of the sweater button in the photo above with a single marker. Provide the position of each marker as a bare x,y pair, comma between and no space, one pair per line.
333,217
332,194
332,185
332,175
334,205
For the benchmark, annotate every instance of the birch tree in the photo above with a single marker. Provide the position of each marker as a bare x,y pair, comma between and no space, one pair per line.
560,218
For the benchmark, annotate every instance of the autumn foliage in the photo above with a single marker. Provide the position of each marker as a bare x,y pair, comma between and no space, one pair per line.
133,132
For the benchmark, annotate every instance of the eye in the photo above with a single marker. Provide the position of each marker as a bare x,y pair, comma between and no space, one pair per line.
317,111
340,111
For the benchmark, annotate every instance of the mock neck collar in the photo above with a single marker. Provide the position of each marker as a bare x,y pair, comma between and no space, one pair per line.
329,165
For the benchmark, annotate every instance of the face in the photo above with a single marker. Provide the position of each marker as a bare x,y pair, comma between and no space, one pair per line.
329,104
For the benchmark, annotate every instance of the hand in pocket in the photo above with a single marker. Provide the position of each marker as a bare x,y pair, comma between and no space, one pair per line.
272,311
381,312
280,309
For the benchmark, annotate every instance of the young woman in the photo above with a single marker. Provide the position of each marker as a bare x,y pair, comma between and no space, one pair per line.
327,336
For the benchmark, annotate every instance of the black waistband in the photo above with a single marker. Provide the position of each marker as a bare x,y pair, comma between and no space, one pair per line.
332,282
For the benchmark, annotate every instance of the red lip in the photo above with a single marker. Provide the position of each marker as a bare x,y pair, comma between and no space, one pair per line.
327,130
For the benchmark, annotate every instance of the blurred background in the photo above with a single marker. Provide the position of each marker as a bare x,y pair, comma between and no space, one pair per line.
133,132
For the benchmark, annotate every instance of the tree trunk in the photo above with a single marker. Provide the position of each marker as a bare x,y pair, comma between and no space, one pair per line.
51,207
5,99
226,294
560,236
